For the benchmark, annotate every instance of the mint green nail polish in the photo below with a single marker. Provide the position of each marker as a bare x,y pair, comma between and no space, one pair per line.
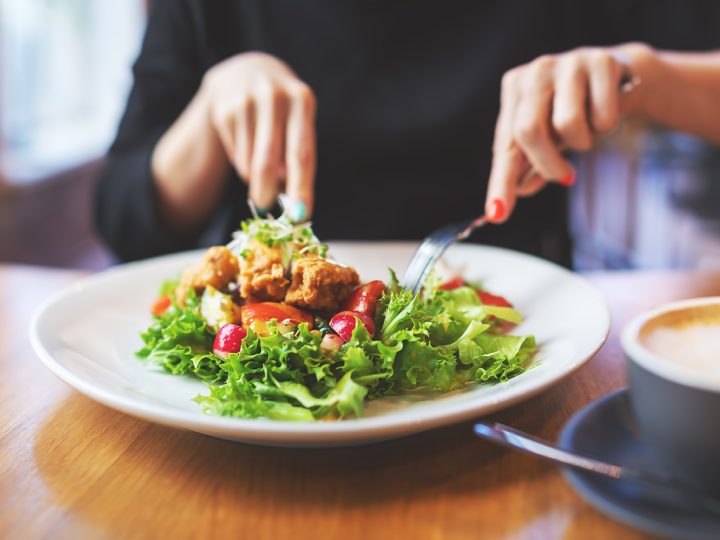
298,211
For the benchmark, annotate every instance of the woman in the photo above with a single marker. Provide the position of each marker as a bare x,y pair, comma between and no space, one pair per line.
380,119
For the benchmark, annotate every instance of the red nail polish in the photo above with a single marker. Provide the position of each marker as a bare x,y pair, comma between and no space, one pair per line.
496,211
569,180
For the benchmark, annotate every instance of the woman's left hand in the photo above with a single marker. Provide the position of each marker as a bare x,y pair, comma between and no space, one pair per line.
555,102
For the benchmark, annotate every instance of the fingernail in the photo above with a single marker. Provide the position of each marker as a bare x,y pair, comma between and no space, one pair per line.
298,211
293,208
496,211
569,180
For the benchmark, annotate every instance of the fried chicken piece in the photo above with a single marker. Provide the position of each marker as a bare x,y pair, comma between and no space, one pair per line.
262,274
320,284
217,268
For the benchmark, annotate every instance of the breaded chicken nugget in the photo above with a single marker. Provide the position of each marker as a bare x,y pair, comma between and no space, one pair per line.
217,268
320,284
262,273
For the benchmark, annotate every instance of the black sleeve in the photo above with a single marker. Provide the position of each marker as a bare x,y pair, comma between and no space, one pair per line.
167,74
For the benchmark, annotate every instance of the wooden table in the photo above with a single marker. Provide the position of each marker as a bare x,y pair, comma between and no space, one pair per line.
71,468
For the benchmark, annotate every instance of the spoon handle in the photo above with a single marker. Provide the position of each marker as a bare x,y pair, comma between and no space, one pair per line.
519,440
525,442
513,438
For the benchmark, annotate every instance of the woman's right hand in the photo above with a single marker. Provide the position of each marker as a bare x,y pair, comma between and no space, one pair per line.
264,116
252,113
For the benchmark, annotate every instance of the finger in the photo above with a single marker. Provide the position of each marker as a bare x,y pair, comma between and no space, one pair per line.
508,161
504,172
508,166
604,74
569,109
300,152
530,184
531,131
244,138
531,125
225,129
267,148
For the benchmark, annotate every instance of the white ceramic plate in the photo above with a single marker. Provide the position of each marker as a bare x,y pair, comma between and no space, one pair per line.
88,333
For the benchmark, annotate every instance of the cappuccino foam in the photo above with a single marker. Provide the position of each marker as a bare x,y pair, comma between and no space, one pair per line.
689,337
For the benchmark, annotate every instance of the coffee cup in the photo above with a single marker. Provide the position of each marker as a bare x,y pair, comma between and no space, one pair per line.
673,355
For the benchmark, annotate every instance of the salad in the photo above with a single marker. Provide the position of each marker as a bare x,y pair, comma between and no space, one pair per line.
278,329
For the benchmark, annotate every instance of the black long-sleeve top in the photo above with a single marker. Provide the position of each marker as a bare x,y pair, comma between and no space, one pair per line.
407,92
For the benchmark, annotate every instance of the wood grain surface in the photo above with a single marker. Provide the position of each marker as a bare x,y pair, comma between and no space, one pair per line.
71,468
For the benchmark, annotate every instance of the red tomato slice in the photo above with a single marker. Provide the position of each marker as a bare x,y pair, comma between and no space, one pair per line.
452,284
256,316
492,299
486,298
364,299
161,305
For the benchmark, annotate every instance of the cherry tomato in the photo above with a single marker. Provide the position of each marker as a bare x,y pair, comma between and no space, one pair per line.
452,284
161,305
344,323
228,339
364,299
256,316
493,300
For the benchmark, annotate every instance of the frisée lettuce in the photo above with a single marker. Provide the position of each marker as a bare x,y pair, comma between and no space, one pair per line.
443,339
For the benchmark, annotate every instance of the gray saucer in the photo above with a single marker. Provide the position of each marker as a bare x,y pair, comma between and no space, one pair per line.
605,429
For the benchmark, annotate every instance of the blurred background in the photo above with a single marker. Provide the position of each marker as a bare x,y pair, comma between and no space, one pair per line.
64,77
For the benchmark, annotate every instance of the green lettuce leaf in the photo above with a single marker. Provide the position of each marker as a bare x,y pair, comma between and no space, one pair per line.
438,339
180,342
346,396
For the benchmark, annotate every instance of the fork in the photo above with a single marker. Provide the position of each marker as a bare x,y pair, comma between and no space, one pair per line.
433,247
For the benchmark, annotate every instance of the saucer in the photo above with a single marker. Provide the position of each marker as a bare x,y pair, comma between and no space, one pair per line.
605,429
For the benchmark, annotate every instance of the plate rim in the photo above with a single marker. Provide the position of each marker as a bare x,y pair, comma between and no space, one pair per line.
266,431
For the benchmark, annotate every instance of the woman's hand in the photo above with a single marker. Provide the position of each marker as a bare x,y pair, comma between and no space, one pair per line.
554,103
252,113
265,119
